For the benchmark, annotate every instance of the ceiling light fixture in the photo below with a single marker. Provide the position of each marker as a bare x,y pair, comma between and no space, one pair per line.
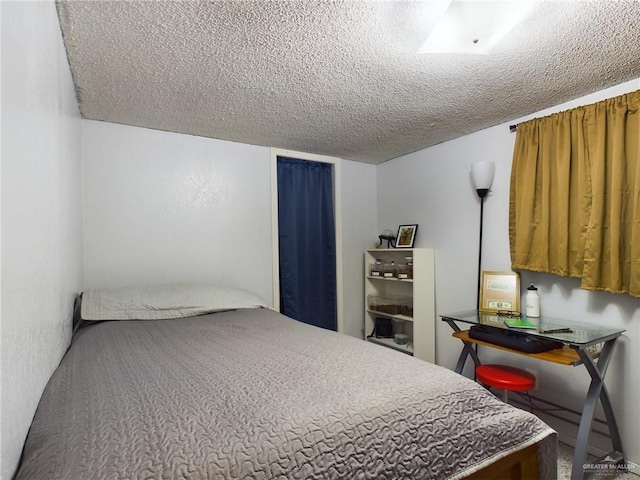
468,26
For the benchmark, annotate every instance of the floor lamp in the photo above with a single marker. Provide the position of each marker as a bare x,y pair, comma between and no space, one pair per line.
482,178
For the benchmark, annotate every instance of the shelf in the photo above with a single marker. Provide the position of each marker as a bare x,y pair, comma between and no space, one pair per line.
392,279
388,315
388,342
403,251
563,356
414,298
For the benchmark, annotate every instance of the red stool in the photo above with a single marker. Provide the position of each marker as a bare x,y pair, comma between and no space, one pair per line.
505,378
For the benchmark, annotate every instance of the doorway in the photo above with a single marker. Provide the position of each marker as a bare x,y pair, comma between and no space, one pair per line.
307,238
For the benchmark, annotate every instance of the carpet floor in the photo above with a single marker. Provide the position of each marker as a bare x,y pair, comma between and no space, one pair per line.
565,460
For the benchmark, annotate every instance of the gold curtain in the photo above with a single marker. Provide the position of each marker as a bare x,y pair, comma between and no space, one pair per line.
574,206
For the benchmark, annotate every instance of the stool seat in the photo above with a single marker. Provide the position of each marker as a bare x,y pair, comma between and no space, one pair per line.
505,377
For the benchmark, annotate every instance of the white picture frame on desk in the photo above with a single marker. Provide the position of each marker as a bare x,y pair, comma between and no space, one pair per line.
499,292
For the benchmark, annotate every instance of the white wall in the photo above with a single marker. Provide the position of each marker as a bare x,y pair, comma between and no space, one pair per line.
41,220
359,232
438,195
161,208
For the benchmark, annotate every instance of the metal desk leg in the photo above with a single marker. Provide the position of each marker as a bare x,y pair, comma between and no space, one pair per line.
597,389
466,351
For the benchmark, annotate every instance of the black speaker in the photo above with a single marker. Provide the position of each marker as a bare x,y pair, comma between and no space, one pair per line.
383,328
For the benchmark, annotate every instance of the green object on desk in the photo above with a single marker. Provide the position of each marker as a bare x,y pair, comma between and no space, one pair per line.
519,323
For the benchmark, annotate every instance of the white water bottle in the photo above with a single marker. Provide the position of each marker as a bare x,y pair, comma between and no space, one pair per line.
533,302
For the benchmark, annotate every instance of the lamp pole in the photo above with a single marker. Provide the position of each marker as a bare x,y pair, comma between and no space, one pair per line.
482,178
482,192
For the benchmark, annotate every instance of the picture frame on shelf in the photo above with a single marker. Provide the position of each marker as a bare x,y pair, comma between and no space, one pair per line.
499,292
406,236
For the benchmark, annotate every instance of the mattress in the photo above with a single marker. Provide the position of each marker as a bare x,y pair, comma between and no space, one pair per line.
252,394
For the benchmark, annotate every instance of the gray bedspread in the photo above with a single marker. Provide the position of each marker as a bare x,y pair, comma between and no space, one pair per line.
251,394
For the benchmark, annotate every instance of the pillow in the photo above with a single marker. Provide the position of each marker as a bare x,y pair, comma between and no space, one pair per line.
164,302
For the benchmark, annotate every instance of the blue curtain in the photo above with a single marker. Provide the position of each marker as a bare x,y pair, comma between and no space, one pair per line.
307,242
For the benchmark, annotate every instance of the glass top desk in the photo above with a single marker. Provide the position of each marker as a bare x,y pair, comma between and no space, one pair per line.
584,344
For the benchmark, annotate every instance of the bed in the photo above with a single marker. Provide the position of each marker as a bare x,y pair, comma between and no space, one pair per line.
206,382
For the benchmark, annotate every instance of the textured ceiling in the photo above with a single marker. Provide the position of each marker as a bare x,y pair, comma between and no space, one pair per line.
338,78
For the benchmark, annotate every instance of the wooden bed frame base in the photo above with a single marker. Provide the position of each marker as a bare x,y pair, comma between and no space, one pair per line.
520,465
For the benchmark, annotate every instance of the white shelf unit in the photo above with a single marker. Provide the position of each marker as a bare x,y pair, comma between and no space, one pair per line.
420,326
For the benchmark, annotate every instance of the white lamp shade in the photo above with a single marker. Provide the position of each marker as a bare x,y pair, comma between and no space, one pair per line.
482,175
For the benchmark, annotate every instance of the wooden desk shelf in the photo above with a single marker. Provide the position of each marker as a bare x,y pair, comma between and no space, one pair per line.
563,356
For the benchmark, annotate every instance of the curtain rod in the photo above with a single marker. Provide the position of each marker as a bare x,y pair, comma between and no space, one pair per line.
513,128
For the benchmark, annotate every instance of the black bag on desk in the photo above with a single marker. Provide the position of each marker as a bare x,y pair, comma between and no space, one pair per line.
383,328
515,340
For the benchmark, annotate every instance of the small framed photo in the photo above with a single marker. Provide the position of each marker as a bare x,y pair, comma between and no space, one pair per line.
500,292
406,236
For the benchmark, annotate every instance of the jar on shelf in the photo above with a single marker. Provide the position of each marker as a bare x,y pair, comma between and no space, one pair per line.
391,305
376,269
390,270
404,272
